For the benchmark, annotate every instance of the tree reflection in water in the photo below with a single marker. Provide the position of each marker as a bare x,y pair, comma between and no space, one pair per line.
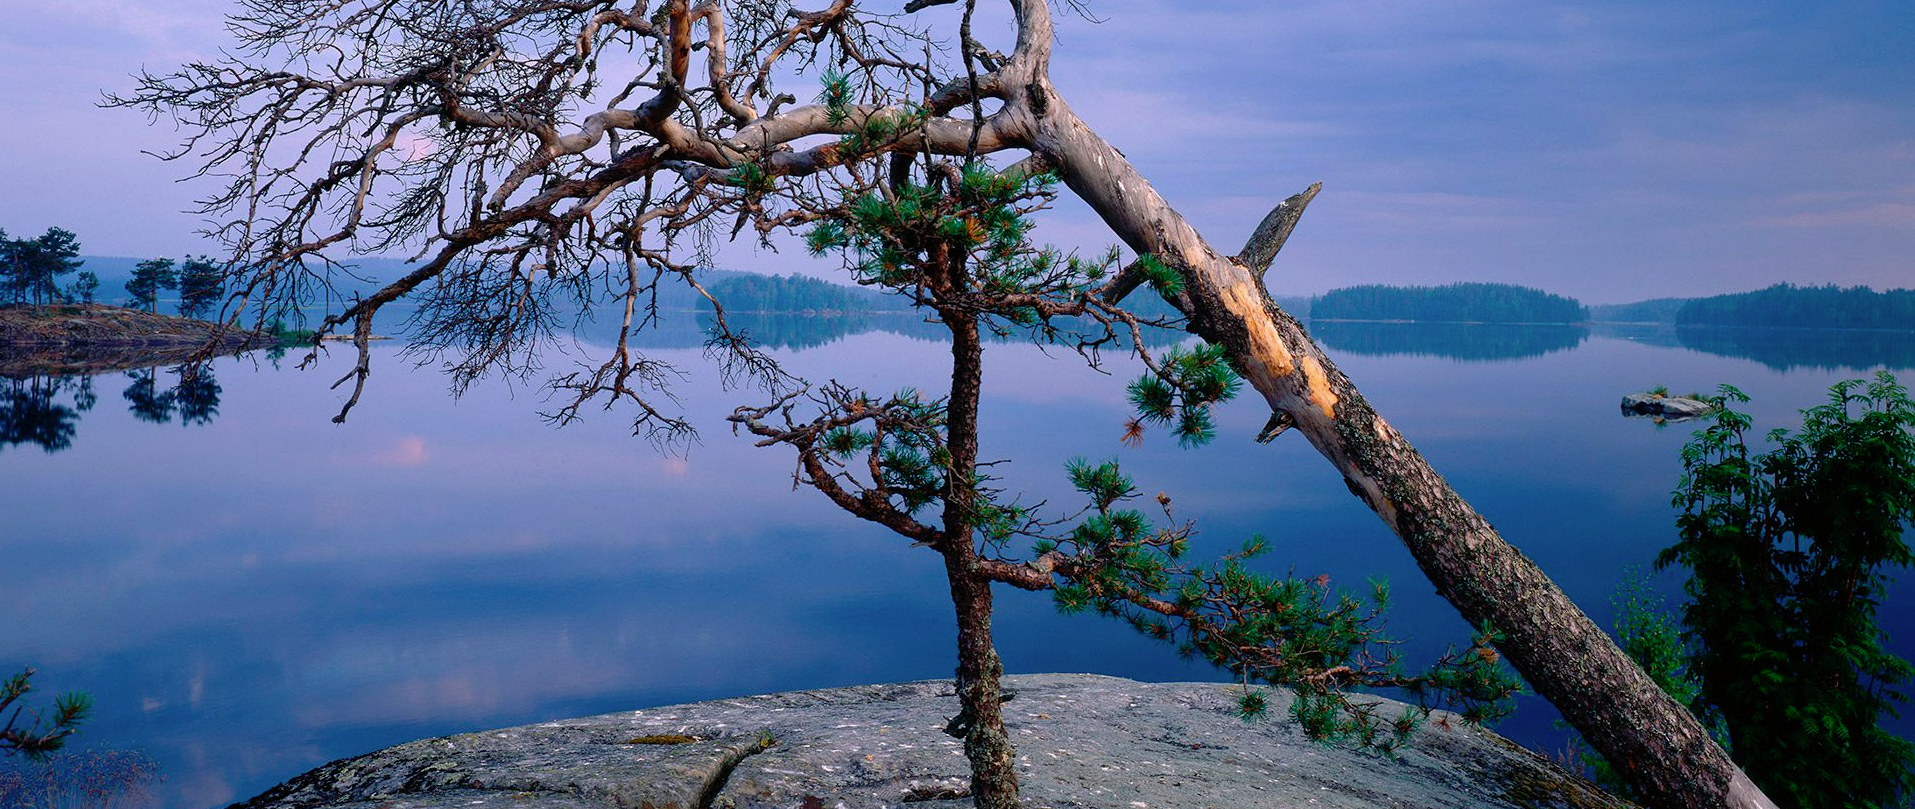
44,410
1481,342
31,410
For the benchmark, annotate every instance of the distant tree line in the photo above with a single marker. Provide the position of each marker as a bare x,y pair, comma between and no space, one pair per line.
792,293
1473,302
1790,305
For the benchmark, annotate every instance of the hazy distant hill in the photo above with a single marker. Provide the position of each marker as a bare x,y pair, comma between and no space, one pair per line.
1466,303
1655,310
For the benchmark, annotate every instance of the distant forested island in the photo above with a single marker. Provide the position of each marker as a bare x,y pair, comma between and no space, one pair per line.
1787,305
1470,302
796,294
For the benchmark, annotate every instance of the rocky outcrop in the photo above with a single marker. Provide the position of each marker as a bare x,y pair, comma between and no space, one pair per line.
91,339
1083,741
1663,407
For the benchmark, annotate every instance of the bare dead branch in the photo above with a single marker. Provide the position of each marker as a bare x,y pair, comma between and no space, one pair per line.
1274,230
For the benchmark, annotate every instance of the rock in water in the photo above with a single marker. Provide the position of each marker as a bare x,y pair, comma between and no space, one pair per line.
1083,742
1666,408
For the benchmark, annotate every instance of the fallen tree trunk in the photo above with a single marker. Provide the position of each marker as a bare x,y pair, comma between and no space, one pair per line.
1665,754
1662,751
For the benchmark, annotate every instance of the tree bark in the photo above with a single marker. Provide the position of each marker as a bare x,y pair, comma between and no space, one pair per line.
1663,752
979,672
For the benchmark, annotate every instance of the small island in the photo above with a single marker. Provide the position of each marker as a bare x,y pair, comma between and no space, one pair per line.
85,338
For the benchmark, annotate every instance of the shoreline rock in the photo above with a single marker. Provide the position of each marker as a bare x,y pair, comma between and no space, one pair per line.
94,339
1083,742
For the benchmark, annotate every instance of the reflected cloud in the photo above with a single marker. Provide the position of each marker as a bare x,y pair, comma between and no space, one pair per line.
407,451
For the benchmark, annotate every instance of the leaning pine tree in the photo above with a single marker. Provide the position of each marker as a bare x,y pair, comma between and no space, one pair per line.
540,154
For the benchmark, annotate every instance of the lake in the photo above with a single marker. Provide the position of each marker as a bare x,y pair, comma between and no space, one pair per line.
248,590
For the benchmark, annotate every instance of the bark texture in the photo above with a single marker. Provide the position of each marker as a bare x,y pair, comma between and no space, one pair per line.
979,673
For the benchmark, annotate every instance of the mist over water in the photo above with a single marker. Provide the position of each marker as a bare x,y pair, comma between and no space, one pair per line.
254,591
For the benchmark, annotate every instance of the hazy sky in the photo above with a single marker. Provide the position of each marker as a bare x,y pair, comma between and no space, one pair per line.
1613,151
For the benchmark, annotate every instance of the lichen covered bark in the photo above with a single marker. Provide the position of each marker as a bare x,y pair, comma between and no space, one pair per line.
979,672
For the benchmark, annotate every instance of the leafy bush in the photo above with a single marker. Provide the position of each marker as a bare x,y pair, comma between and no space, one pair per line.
1786,552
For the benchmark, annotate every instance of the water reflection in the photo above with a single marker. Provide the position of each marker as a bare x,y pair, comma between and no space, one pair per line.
31,410
193,396
441,565
1782,349
44,409
80,779
1788,349
1458,341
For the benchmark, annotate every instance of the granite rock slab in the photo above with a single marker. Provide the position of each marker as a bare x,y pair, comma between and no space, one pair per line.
1083,742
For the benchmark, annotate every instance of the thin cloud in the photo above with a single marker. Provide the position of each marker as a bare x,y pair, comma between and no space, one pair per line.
1883,214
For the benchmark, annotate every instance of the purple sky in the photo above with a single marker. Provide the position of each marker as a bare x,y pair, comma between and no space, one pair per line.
1612,151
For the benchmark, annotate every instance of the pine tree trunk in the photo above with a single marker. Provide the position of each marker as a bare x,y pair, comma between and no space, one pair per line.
979,686
979,673
1661,749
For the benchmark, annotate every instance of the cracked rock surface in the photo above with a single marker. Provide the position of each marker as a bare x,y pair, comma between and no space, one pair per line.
1083,742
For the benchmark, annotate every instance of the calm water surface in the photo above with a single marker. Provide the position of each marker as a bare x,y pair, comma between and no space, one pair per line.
258,591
